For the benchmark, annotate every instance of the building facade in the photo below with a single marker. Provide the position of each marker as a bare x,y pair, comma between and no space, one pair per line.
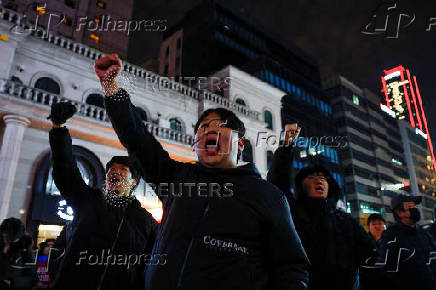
374,165
121,27
40,68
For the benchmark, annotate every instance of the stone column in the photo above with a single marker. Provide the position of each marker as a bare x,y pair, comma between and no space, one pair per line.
9,157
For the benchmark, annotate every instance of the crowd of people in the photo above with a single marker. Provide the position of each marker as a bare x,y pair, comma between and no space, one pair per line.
262,236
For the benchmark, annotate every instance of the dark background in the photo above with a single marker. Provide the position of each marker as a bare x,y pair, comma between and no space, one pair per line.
330,32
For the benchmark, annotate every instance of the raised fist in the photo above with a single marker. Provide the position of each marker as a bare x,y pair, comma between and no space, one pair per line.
62,111
291,133
107,69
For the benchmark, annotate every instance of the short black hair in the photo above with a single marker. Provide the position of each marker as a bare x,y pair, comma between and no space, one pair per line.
375,217
125,160
232,120
13,228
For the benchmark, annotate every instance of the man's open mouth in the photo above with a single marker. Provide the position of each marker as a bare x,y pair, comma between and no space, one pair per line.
115,180
319,189
212,143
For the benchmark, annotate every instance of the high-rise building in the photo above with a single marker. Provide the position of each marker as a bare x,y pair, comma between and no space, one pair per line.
419,163
373,160
403,97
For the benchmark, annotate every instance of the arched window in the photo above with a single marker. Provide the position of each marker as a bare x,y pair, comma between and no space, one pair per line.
95,100
175,124
240,101
47,204
85,171
48,84
247,153
141,113
267,115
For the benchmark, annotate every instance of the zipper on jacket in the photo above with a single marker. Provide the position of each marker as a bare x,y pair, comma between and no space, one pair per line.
188,251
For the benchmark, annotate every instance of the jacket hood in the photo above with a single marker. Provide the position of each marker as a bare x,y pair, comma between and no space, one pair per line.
334,192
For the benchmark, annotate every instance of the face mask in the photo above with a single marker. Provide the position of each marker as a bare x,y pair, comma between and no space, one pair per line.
415,215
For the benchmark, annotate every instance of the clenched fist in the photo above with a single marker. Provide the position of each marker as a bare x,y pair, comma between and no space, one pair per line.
107,69
291,133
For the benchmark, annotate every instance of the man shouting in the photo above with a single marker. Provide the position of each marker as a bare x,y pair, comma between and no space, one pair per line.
212,239
112,233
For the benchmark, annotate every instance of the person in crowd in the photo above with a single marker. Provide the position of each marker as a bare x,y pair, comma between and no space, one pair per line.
225,227
17,267
372,276
376,226
335,243
112,232
408,252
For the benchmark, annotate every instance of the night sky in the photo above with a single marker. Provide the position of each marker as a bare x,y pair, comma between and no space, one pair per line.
330,32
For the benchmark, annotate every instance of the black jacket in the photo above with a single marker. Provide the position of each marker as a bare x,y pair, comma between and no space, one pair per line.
335,243
238,239
18,265
95,226
409,254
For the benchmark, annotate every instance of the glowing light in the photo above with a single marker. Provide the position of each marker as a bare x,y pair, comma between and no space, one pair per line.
65,212
419,132
50,228
387,110
41,9
94,37
3,37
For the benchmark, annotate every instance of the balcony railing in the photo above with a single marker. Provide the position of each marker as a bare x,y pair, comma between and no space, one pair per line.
84,50
35,96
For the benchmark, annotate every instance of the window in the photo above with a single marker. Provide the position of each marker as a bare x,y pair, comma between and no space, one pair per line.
268,119
47,204
48,84
167,51
51,189
166,70
356,99
95,100
175,124
247,153
240,101
178,61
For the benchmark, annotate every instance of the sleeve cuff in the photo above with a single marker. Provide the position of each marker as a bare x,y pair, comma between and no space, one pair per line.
120,96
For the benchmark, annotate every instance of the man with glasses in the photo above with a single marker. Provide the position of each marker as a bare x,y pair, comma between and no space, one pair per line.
212,239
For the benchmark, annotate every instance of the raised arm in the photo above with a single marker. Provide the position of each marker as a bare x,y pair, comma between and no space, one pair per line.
66,175
280,171
155,163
